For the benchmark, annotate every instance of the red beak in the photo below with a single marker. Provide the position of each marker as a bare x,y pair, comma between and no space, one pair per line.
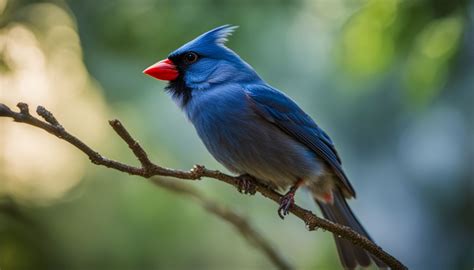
163,70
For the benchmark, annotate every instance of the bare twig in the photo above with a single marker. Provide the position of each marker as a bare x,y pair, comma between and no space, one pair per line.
149,169
241,224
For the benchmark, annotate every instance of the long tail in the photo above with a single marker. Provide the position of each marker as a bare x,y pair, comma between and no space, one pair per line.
350,255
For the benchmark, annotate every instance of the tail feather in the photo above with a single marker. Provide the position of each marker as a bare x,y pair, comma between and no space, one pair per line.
350,255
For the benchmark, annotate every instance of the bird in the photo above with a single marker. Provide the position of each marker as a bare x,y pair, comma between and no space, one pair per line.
258,132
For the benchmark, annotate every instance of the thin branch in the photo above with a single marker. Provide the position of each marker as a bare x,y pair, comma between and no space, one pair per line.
149,169
54,127
227,214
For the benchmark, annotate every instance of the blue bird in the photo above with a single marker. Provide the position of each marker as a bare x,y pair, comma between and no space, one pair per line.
254,129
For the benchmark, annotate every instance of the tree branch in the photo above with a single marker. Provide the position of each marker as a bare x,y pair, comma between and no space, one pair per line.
149,169
227,214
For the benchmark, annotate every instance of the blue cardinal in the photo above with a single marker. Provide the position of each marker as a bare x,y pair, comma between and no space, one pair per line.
253,129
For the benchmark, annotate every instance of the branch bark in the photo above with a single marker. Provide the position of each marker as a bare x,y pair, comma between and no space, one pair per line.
149,169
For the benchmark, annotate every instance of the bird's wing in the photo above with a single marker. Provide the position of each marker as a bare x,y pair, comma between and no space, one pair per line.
283,112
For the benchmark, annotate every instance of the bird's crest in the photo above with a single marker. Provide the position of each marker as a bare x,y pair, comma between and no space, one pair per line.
210,42
219,35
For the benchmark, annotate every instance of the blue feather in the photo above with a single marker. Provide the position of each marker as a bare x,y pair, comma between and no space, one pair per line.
210,43
219,35
280,110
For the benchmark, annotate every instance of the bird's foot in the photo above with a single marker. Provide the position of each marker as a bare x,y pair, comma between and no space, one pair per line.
286,202
247,185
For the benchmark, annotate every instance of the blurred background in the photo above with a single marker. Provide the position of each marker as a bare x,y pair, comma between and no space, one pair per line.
391,81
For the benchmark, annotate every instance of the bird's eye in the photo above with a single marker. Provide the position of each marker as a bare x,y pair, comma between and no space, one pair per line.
190,57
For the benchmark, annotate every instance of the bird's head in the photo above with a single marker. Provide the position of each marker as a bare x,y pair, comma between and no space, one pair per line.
201,63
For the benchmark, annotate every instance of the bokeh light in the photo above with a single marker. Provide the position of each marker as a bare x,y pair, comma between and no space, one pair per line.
43,60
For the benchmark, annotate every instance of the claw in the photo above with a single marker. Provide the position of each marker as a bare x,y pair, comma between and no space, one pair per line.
288,200
246,184
285,204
